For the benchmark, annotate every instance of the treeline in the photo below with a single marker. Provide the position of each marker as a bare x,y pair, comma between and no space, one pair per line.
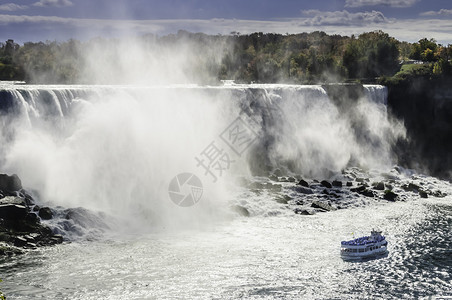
258,57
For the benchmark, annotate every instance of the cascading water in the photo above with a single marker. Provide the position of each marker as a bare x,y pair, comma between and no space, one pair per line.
115,148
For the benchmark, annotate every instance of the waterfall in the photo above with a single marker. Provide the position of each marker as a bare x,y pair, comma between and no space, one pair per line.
116,148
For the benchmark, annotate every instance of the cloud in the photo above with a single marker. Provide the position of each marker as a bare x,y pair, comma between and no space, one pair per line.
343,18
12,7
391,3
441,12
36,28
54,3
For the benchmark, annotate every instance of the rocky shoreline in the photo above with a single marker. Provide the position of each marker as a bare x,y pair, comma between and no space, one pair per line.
20,219
352,188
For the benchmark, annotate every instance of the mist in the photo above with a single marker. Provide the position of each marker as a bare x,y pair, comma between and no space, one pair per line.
152,109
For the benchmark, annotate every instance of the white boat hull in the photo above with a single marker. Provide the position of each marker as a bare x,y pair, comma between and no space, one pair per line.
377,253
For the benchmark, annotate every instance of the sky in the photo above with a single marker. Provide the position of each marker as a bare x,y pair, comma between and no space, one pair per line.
60,20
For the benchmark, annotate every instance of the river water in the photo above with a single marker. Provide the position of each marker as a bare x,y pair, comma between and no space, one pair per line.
285,257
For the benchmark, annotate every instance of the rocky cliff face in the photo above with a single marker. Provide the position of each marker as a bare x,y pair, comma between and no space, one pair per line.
20,219
425,106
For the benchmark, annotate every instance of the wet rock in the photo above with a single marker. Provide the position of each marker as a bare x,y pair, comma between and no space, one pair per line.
20,241
411,187
337,183
358,189
304,212
439,194
57,239
30,245
291,179
10,183
13,200
368,193
349,183
12,212
8,250
304,190
45,213
32,219
323,206
326,184
303,183
423,194
241,210
5,237
390,196
379,186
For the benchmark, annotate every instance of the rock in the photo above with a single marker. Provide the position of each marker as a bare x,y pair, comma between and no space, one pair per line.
57,238
45,213
241,210
423,194
20,241
439,194
349,183
291,179
324,206
411,187
273,178
32,219
368,193
10,183
358,189
278,173
13,200
390,196
5,237
12,212
303,183
30,245
337,183
304,212
379,186
326,184
304,190
36,208
8,250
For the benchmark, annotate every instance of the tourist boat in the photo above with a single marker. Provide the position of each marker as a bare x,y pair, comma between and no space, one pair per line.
367,247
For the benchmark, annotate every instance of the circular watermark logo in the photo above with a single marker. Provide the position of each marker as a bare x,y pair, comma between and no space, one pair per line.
185,189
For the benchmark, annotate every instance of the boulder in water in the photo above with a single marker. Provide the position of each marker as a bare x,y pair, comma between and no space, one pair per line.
379,186
326,184
337,183
305,212
10,183
45,213
304,190
323,206
303,183
390,196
